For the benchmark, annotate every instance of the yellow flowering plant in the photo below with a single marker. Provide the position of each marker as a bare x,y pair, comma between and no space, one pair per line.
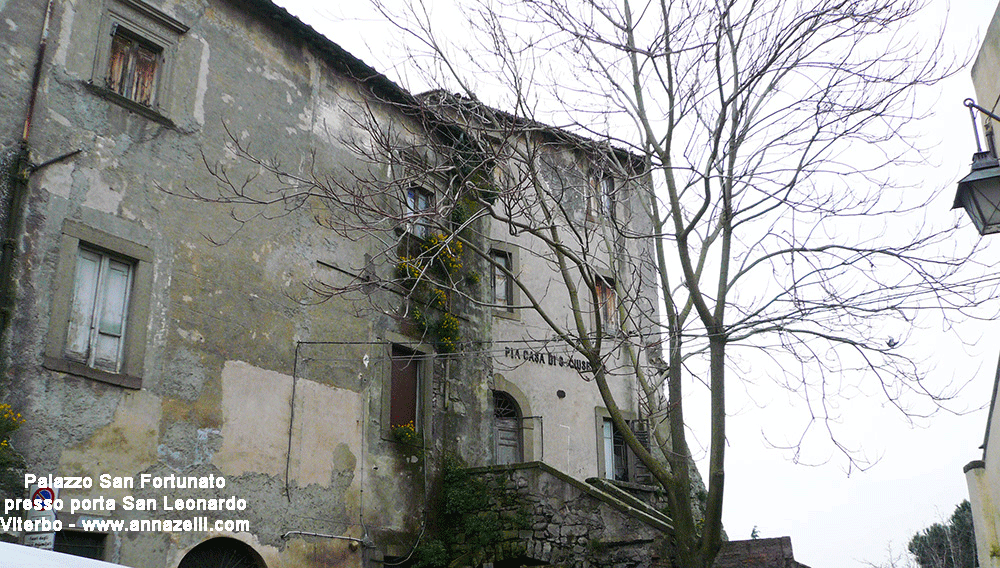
10,421
11,462
405,433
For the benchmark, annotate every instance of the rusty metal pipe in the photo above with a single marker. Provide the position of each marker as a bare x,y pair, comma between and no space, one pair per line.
37,76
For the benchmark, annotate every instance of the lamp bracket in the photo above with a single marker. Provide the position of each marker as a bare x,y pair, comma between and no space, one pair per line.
972,105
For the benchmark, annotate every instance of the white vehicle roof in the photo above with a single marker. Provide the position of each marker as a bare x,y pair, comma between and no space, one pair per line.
18,556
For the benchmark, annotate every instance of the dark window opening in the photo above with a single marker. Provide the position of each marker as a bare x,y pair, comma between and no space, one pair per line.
404,393
85,544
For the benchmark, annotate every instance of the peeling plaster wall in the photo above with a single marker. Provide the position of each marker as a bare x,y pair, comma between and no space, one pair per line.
222,355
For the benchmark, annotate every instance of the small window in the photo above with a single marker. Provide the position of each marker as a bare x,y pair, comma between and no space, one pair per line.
608,196
418,208
132,67
404,390
99,310
603,196
607,304
136,46
503,286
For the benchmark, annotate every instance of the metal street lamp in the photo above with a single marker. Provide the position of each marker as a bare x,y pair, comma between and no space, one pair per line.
979,192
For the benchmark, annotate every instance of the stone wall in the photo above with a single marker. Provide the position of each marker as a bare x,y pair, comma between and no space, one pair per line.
572,523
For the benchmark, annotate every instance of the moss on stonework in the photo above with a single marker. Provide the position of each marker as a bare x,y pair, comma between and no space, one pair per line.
472,517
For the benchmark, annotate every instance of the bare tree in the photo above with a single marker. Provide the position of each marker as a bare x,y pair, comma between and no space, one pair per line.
753,141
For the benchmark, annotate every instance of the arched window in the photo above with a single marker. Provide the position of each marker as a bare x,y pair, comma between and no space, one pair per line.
507,429
222,553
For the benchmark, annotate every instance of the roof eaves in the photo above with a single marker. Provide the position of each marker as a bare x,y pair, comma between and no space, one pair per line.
564,136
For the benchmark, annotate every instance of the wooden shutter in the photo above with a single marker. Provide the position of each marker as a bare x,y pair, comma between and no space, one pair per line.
132,69
96,331
404,388
507,433
88,269
640,473
145,75
118,64
109,328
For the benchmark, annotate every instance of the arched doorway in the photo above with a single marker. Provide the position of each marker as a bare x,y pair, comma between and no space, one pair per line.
507,429
222,553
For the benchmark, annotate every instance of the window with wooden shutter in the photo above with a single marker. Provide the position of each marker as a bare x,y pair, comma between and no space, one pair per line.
620,463
132,68
615,453
100,306
136,49
607,304
99,309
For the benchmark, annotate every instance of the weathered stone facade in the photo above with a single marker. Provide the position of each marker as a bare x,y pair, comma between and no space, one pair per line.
225,361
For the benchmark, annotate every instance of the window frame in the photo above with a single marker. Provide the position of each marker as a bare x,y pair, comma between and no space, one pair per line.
99,296
514,293
635,470
602,201
415,220
606,308
425,361
502,265
76,235
608,195
151,28
518,421
125,81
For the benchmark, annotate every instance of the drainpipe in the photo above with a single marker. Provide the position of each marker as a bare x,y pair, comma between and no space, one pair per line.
17,179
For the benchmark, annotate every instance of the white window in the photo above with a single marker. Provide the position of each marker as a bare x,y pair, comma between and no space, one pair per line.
99,310
615,453
418,207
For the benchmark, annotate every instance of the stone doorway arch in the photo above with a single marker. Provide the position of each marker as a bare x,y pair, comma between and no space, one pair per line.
222,552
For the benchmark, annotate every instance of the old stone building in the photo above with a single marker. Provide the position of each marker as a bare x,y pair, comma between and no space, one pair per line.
214,345
983,475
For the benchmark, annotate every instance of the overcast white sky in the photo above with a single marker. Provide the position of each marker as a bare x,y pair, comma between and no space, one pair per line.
835,520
